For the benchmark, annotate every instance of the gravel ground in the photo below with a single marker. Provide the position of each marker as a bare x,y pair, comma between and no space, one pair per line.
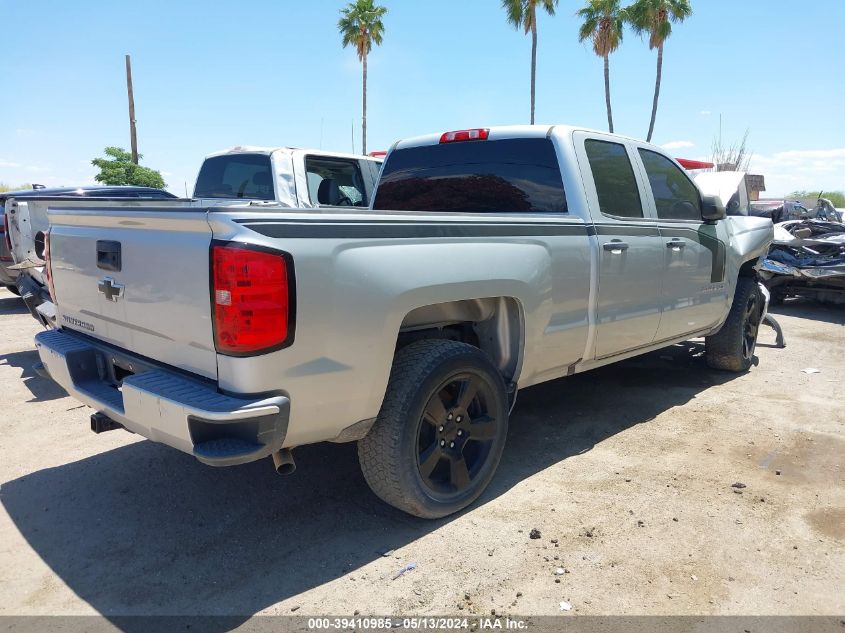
627,473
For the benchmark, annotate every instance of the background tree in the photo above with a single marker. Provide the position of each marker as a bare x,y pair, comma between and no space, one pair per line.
119,169
837,198
523,14
655,18
604,23
4,187
360,26
733,157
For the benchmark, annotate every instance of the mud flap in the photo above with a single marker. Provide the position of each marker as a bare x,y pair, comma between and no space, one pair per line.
768,319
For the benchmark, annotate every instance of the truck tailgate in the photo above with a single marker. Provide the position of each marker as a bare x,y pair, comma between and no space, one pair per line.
137,279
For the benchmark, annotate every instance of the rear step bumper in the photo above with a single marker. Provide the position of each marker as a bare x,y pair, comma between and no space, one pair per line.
166,407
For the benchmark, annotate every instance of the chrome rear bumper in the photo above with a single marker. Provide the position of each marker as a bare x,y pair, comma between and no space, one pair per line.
165,406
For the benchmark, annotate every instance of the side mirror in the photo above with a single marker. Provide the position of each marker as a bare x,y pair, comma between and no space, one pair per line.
712,209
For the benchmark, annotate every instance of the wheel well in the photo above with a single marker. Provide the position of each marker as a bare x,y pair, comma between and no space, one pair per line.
492,324
748,269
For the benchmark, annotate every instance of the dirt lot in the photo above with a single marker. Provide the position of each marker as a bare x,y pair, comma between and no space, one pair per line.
627,472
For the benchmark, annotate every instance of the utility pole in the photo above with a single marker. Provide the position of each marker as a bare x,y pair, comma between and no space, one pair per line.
134,139
720,129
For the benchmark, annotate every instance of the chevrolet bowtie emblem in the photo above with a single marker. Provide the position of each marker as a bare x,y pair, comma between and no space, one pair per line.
110,288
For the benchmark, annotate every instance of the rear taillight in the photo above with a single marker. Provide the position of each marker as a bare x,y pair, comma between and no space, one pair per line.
5,230
48,267
252,299
477,134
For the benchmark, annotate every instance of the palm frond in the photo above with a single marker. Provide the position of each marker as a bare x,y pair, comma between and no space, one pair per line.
680,10
360,25
550,6
655,18
514,10
603,24
523,13
589,26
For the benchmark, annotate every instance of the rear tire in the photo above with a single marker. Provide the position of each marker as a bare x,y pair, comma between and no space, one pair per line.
440,432
732,347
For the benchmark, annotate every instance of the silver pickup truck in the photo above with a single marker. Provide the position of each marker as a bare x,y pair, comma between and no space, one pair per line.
490,260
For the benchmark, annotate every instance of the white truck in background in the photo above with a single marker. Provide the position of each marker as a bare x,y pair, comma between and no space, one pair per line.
240,176
288,177
731,187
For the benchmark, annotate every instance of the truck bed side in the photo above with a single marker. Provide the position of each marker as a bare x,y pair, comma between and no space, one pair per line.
363,278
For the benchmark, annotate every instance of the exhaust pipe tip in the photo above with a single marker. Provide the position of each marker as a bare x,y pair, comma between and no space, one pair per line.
283,461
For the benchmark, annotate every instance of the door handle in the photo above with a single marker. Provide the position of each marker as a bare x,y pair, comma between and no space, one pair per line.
108,255
615,245
675,244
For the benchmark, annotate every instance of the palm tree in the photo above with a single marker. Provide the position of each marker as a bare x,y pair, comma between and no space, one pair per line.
603,24
523,13
361,26
655,17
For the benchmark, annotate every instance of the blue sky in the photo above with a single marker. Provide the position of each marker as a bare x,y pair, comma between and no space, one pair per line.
209,75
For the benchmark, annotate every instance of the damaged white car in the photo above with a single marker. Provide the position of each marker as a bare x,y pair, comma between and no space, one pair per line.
806,259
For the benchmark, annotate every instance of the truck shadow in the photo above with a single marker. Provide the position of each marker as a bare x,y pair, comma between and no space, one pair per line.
144,529
561,418
806,309
12,304
41,389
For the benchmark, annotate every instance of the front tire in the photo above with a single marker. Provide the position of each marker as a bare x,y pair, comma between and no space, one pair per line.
732,347
440,432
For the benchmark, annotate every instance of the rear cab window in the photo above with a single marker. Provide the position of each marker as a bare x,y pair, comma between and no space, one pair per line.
484,176
248,176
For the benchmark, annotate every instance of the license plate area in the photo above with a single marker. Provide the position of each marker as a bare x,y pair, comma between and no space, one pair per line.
92,374
106,368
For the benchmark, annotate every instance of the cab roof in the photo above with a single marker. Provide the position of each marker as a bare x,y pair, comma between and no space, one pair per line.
258,149
501,132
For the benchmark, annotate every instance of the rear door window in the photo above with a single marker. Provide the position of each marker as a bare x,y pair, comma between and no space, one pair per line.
616,185
248,176
506,176
335,182
675,195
